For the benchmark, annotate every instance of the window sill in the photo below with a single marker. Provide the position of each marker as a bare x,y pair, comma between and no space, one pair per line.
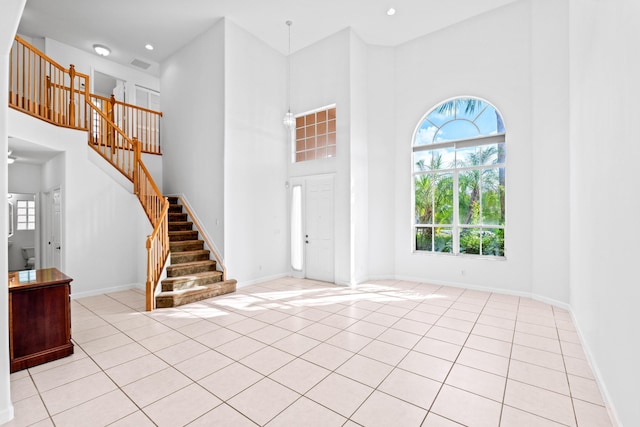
465,256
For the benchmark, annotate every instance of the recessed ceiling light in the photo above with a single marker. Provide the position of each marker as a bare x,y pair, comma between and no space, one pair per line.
391,11
101,50
148,46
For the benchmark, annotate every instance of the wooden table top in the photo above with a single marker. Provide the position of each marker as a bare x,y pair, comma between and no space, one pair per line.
35,278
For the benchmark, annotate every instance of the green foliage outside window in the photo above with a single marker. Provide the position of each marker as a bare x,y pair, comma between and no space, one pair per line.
476,165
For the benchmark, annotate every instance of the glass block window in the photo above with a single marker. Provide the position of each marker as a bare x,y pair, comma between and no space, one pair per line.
26,215
316,135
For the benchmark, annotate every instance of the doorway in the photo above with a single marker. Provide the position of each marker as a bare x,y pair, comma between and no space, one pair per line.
312,228
21,231
52,230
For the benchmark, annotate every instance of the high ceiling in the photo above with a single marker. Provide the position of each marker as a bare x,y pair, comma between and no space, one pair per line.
126,26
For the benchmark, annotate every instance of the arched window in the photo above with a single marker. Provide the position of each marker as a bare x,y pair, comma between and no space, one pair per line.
459,162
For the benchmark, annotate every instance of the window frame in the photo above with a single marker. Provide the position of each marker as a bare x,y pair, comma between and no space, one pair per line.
455,170
30,206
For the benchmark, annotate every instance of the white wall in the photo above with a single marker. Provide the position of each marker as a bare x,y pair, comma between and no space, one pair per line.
24,178
11,13
103,224
381,165
87,63
320,77
604,152
359,160
193,127
153,163
550,148
256,147
488,57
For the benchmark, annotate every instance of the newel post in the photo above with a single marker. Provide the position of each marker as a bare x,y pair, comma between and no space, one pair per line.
111,112
136,163
149,291
72,104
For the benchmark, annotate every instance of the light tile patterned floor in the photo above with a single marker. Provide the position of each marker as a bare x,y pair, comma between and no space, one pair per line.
301,353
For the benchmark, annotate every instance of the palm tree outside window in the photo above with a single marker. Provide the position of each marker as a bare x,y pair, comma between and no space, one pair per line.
459,159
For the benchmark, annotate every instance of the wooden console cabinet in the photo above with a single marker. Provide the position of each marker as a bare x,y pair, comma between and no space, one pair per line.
39,317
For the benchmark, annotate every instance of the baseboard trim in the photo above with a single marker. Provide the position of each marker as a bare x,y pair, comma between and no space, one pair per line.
245,283
606,396
6,414
102,291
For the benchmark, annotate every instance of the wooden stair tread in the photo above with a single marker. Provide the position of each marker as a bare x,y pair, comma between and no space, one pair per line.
185,245
197,293
180,222
194,252
176,236
188,277
184,242
194,263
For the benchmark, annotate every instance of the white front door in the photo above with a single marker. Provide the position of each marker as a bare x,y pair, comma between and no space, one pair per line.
319,229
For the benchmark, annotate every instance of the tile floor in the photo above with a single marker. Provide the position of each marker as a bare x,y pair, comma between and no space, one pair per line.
301,353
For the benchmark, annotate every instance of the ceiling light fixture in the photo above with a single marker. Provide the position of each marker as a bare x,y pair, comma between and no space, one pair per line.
289,121
391,11
148,46
101,50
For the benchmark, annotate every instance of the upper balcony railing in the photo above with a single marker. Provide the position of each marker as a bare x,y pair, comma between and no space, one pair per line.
43,88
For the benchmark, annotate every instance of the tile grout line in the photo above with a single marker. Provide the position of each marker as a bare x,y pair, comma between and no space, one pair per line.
454,362
506,380
383,309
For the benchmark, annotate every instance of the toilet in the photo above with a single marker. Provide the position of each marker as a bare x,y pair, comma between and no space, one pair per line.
29,255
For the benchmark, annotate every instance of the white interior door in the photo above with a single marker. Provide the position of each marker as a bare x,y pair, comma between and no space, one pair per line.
319,229
56,237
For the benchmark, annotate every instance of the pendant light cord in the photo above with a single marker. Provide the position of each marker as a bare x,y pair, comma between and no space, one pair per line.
289,23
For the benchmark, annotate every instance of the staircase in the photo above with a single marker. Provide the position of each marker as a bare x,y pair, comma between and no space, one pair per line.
40,87
192,275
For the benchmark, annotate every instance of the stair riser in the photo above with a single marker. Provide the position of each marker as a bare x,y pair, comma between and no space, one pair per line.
178,258
180,227
186,246
177,270
177,217
175,208
172,200
183,235
176,300
168,286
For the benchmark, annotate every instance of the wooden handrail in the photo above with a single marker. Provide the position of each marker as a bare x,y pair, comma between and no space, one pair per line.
42,88
111,142
137,122
219,260
156,206
125,154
